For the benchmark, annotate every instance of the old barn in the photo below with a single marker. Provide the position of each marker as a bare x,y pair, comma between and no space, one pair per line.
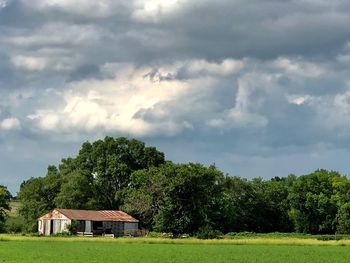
88,222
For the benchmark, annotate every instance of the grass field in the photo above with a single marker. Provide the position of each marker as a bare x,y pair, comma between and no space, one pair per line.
14,208
34,249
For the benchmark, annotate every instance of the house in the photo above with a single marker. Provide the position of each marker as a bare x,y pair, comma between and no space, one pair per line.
88,222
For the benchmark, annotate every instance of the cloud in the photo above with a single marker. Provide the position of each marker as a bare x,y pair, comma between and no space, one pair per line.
202,79
3,3
59,33
10,124
154,10
111,104
87,8
301,68
226,67
41,63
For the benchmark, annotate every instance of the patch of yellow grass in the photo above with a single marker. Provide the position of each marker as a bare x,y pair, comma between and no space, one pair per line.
14,205
145,240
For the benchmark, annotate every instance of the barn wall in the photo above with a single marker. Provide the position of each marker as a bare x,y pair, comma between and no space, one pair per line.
118,228
53,223
60,225
130,228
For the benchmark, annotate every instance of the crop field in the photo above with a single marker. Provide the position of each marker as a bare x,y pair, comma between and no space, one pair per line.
33,249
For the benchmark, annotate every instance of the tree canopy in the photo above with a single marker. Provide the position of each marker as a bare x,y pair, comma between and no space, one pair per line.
118,173
5,198
95,179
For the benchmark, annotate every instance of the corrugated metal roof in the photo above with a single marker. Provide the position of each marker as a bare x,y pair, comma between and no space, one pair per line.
104,215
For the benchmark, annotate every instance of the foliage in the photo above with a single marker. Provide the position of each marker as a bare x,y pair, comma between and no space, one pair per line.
95,179
5,198
73,227
209,233
313,206
343,219
256,205
118,173
37,196
15,224
180,198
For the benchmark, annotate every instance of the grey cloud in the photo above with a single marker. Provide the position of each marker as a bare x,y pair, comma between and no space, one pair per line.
282,94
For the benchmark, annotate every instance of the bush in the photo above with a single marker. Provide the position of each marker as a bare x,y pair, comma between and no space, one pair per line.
73,228
209,233
328,237
15,225
159,235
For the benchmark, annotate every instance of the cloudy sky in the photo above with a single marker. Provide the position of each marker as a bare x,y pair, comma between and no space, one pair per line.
260,88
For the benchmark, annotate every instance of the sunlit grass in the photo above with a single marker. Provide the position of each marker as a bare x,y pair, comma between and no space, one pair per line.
312,241
81,250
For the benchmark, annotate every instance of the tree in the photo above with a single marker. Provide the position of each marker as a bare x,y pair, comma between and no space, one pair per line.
256,205
101,172
146,194
313,202
184,198
95,179
343,219
37,196
5,198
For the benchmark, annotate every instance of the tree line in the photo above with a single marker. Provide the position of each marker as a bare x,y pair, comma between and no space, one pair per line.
118,173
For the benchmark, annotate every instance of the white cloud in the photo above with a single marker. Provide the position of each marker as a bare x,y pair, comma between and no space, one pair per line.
40,63
10,124
246,113
3,3
299,67
87,8
226,67
111,105
57,34
298,99
154,10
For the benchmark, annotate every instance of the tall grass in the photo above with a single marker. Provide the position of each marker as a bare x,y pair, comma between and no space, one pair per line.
145,240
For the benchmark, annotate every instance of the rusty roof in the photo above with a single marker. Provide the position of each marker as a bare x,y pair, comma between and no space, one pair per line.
102,215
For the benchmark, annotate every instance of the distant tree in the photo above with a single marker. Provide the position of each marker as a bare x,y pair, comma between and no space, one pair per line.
37,196
343,219
101,172
179,198
5,198
95,179
313,202
256,205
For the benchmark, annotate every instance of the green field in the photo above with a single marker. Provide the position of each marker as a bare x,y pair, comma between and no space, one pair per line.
19,249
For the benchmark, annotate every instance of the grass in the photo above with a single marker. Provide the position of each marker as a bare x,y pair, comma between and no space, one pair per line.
259,248
34,249
14,208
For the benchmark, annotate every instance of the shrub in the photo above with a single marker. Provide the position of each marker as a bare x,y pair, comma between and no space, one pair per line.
15,225
158,234
209,233
328,237
73,228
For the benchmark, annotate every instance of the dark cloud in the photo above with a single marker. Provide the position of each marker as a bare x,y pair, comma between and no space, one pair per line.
256,87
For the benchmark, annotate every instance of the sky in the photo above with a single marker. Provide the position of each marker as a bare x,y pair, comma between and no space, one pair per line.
258,88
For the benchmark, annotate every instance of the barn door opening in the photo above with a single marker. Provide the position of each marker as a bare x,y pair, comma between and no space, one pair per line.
51,227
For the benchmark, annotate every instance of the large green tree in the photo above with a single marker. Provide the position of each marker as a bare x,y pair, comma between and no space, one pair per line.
95,179
256,205
101,172
313,200
5,198
37,196
180,198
